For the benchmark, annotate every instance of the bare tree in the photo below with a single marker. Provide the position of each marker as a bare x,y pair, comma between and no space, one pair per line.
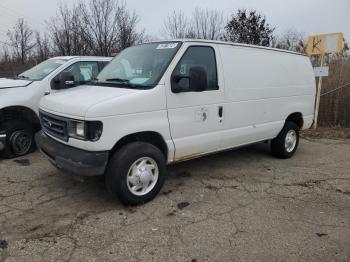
66,31
127,33
203,24
207,24
21,40
176,25
100,21
5,56
109,25
291,40
42,49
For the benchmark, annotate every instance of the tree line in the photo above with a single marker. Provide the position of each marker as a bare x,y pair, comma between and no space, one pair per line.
100,27
97,27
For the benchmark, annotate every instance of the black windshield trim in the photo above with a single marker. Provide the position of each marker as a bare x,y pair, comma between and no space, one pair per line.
122,85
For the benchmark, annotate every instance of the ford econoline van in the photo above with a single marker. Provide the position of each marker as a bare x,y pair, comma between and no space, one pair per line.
164,102
20,96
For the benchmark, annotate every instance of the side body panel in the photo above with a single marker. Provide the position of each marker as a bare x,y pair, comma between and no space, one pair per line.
262,89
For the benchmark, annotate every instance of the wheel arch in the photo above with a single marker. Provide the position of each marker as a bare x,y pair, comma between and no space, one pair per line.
151,137
297,118
19,112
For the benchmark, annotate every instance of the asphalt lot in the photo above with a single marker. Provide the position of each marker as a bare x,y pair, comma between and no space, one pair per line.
244,205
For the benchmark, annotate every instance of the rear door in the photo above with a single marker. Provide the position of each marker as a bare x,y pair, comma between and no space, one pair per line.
195,117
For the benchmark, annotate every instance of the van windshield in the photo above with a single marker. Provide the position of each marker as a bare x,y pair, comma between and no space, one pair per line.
41,70
140,66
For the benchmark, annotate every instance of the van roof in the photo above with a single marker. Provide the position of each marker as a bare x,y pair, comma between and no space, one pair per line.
230,43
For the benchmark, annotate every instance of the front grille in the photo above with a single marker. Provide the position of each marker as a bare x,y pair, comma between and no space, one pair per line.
54,125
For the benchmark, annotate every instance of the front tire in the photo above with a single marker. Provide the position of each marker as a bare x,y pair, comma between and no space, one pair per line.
19,138
136,173
287,141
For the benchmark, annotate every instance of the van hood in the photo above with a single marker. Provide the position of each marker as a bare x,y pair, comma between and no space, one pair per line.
76,101
12,83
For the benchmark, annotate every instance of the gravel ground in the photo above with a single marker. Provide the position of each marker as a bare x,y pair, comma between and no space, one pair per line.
241,205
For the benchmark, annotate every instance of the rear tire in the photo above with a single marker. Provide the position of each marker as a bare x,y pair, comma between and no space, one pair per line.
136,173
287,141
19,138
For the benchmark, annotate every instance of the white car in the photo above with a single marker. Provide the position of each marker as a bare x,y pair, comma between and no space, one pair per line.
20,96
165,102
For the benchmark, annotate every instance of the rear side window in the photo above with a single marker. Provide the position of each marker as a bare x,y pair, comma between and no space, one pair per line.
198,56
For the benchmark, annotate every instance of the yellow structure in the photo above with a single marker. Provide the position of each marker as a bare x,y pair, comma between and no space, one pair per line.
325,44
321,45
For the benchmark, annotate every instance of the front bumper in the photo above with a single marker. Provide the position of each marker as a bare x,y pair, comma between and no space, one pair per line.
72,160
2,141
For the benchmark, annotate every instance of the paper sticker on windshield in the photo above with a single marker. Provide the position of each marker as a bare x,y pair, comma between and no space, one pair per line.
167,46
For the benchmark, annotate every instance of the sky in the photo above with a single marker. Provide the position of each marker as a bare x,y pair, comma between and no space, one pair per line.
307,16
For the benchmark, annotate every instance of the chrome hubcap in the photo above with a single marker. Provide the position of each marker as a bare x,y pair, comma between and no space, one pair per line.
142,176
291,141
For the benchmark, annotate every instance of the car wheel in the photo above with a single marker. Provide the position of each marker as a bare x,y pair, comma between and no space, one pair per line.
19,138
136,173
287,141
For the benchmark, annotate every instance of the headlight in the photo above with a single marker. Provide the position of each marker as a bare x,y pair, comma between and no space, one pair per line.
76,129
85,130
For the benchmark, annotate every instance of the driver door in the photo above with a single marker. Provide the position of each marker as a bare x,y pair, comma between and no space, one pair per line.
196,117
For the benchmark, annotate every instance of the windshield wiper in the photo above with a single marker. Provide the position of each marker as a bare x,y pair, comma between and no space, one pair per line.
117,80
22,77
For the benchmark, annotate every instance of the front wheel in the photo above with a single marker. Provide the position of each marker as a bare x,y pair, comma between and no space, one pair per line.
19,138
136,173
287,141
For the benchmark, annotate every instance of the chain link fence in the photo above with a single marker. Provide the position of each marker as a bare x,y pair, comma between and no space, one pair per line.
335,95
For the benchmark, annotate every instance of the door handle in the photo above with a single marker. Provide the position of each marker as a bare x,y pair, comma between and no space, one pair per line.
220,112
46,93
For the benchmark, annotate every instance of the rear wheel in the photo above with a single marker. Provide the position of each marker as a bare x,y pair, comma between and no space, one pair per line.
287,141
136,173
19,138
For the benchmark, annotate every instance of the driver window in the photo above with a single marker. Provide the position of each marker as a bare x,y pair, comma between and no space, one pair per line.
83,71
197,56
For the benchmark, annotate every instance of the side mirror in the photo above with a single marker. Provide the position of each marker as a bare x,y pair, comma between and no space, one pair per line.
175,87
63,81
198,79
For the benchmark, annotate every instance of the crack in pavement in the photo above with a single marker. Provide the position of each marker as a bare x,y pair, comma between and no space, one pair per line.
239,200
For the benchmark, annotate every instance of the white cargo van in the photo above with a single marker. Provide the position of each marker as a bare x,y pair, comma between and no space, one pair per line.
164,102
20,96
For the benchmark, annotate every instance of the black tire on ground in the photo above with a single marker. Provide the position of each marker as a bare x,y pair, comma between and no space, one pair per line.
120,164
278,145
19,138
